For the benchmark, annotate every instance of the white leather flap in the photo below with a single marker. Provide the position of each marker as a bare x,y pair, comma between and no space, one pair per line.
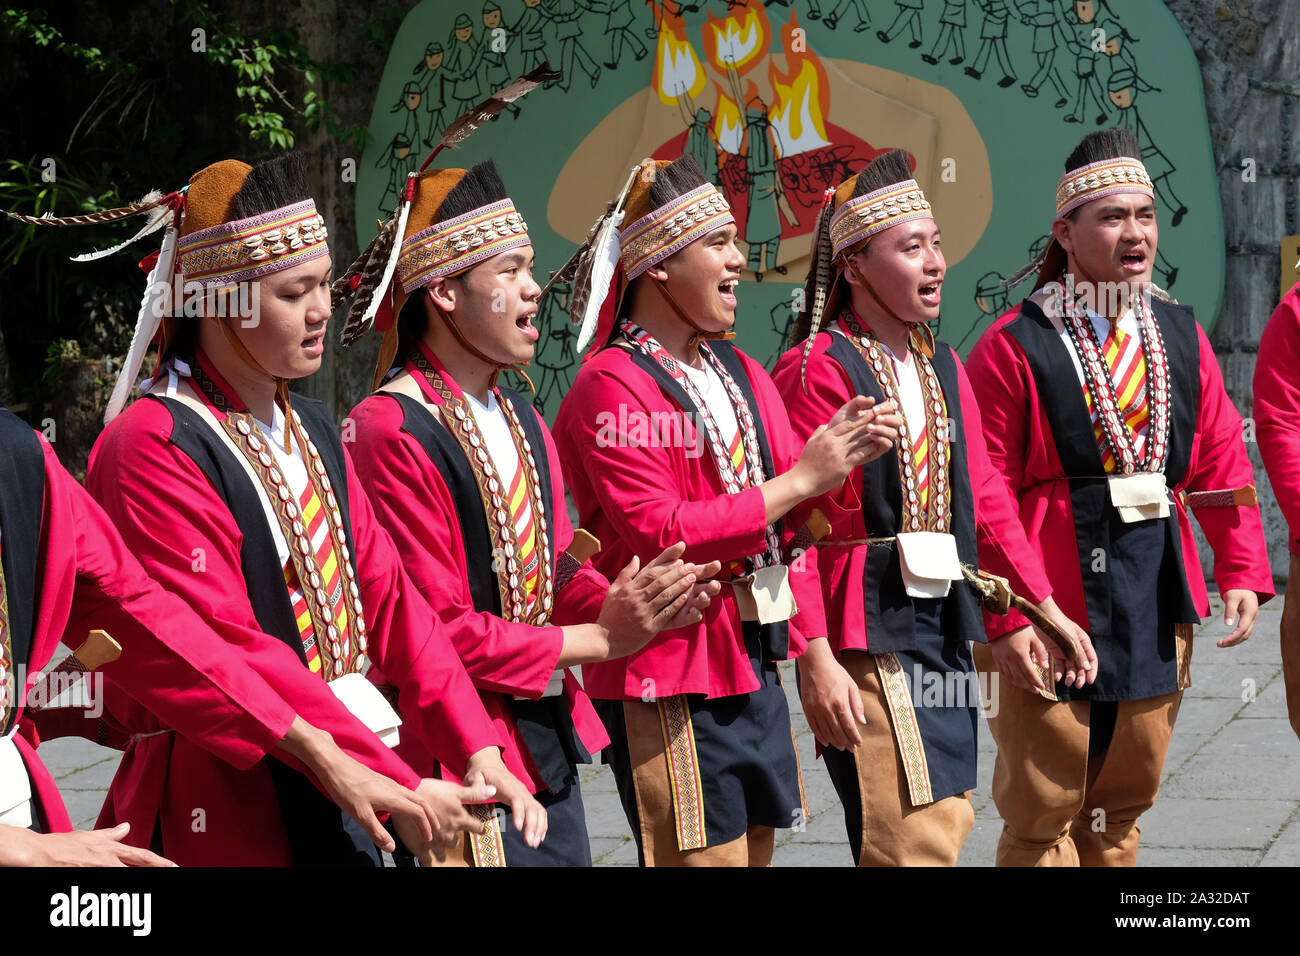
929,563
365,702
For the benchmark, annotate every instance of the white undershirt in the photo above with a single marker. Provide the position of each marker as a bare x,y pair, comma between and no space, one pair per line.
711,388
294,469
495,432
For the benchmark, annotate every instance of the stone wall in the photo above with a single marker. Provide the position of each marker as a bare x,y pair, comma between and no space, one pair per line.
1249,51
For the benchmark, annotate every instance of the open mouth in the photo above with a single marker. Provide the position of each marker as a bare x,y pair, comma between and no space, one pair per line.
525,325
930,293
727,290
1134,261
314,344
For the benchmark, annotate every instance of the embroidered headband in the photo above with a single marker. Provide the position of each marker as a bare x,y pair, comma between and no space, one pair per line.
446,248
670,228
882,209
254,247
1120,175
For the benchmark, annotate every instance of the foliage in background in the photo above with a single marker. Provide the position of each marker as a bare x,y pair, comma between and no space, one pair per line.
254,61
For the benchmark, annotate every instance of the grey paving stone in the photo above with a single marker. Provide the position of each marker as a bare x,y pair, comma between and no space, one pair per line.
1207,824
1229,680
1202,716
1182,747
83,806
1285,850
981,845
1270,701
801,853
608,851
605,817
97,776
1236,777
69,754
1263,737
1183,856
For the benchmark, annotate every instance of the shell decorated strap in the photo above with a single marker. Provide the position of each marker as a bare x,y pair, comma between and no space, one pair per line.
518,604
931,511
341,655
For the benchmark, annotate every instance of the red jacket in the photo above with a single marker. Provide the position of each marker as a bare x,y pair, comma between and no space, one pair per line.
173,518
87,578
639,498
1277,408
504,659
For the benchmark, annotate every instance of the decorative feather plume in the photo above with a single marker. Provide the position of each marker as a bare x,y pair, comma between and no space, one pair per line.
596,267
566,271
461,130
146,324
361,279
151,201
161,216
1160,293
1030,267
384,250
823,252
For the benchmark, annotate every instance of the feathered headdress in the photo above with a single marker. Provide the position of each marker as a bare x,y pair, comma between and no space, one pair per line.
209,243
163,211
672,205
880,197
409,243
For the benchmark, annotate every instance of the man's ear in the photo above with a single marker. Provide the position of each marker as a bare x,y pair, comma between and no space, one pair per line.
442,292
1061,231
658,272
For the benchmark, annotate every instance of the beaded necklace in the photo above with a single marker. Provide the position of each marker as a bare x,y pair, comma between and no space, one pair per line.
341,655
517,603
936,513
1101,385
733,480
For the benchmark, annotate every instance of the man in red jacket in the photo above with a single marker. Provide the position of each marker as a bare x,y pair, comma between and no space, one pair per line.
246,504
463,474
1105,411
65,569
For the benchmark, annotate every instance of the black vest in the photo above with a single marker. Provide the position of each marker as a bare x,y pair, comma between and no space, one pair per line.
22,497
318,831
888,612
1140,661
773,639
545,724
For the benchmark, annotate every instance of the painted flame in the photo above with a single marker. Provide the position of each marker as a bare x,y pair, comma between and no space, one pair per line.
802,98
678,71
738,40
728,124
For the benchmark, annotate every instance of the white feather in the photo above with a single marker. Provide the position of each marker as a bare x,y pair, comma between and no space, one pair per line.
368,317
146,325
605,251
153,225
604,260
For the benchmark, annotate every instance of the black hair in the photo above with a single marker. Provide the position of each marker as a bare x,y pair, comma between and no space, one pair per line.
676,179
480,186
1102,145
1099,146
887,169
270,185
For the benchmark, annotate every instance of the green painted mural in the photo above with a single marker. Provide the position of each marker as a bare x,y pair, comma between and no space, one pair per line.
778,100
